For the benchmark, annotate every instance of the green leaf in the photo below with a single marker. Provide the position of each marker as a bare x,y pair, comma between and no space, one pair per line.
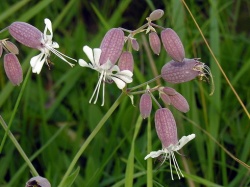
69,181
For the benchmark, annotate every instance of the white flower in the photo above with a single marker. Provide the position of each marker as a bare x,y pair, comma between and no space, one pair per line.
169,153
108,72
47,45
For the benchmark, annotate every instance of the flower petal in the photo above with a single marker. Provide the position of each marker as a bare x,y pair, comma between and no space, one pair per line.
154,154
123,77
89,52
37,62
183,141
126,73
83,63
97,54
48,25
120,84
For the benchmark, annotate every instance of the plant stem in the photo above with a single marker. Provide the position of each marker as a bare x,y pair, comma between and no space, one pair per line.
19,148
143,84
90,138
15,108
149,161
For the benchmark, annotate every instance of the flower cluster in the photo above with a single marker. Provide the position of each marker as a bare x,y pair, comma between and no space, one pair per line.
115,64
180,69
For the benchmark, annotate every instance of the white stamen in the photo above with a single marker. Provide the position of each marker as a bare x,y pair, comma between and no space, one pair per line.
60,55
103,90
171,168
175,163
97,87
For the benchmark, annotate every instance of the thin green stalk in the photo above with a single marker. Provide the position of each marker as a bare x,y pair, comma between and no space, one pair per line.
15,109
19,148
90,138
129,175
217,62
144,84
149,161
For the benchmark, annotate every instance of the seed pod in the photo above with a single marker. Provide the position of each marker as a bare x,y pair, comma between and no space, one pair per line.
112,45
1,50
13,69
156,14
166,127
179,102
135,44
155,42
173,44
145,105
175,72
126,61
26,34
38,182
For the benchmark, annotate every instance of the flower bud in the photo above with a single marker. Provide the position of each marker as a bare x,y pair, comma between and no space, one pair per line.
165,98
145,105
166,127
126,61
169,91
179,102
135,44
155,42
111,46
11,47
13,68
156,14
38,182
26,34
175,72
173,44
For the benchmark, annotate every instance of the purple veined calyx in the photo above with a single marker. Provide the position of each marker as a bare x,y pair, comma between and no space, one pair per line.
13,69
126,61
30,36
8,46
171,97
112,45
145,104
176,72
155,42
172,44
156,14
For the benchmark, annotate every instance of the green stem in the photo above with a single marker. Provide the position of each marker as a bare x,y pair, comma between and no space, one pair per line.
15,109
155,100
19,148
90,138
149,161
143,84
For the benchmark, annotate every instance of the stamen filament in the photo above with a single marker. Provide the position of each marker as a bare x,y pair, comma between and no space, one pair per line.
171,167
61,55
97,87
103,89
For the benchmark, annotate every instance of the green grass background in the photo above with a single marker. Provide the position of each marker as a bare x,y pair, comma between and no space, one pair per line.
54,117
